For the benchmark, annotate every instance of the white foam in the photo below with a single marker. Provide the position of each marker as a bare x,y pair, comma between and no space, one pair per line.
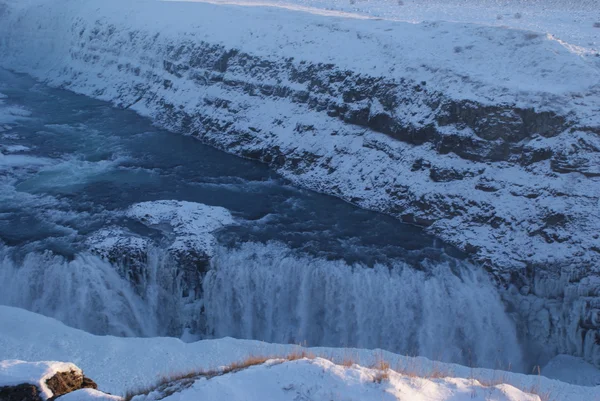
86,293
15,148
11,161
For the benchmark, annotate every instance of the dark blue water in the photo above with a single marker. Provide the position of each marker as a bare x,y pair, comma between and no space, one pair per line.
90,160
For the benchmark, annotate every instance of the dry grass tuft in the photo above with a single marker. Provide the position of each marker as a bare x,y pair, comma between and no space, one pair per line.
169,384
299,354
252,360
348,359
347,362
381,376
383,370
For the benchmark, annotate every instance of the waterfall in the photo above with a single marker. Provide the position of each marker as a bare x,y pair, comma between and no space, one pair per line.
89,293
447,311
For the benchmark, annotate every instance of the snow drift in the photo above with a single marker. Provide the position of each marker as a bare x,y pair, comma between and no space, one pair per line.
320,379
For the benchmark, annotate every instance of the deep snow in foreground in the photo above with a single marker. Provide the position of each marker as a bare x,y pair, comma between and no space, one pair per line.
322,380
281,380
121,364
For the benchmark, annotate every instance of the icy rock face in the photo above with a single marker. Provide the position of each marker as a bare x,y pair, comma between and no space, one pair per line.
504,165
168,271
188,228
560,313
123,249
185,227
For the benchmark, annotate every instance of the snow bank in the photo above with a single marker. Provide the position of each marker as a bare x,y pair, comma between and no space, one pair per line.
88,394
320,379
572,20
15,372
573,370
119,364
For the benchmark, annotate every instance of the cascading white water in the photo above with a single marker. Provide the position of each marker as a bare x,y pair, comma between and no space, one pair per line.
269,293
88,293
448,311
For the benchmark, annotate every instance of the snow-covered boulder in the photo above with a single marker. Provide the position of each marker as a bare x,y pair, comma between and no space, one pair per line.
188,228
40,381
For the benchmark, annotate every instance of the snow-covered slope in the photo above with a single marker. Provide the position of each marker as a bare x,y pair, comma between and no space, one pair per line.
570,20
320,379
121,364
487,135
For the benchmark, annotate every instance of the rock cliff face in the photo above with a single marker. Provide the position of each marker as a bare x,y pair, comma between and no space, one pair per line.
505,169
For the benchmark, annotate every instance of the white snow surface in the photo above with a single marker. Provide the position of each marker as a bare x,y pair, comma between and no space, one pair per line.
320,379
570,20
191,222
495,64
88,394
119,364
14,372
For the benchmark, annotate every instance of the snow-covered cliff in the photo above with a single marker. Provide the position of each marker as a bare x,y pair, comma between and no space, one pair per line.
488,136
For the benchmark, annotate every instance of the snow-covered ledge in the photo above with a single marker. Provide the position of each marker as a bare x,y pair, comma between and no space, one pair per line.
488,136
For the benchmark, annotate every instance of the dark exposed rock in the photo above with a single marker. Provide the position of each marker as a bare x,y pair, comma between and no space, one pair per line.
66,382
487,185
22,392
440,174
